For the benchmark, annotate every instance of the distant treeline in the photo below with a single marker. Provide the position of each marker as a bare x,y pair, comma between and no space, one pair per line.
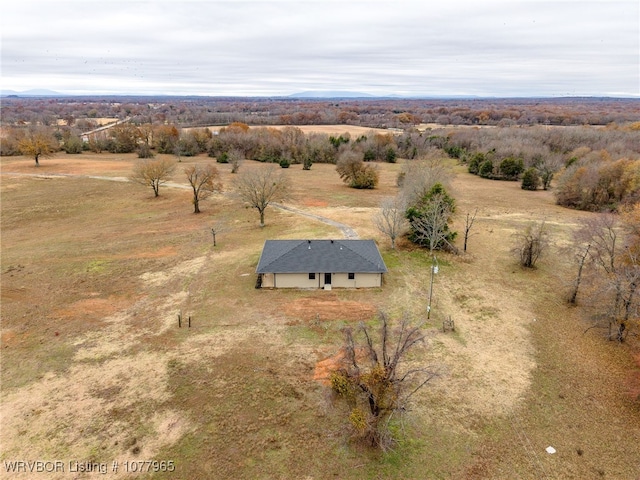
591,167
375,113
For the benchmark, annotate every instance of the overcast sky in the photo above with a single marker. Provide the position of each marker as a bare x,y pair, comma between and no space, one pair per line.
262,48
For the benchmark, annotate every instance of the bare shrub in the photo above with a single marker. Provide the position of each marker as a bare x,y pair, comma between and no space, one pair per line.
391,219
531,244
419,176
355,172
376,379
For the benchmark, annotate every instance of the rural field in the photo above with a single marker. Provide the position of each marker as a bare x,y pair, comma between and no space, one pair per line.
95,369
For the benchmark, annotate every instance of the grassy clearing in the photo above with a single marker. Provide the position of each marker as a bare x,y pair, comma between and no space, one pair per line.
94,274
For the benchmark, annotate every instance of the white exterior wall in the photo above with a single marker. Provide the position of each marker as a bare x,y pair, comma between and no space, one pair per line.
338,280
295,280
361,280
267,280
341,280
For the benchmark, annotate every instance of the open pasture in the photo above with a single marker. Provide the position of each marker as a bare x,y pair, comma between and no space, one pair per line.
94,367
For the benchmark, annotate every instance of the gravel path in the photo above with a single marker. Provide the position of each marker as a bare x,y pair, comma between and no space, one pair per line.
347,231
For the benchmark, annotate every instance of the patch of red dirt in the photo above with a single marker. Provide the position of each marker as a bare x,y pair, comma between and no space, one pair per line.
159,253
7,337
312,202
162,252
328,308
92,308
324,368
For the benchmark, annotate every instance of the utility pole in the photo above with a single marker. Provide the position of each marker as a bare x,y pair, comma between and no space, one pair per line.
434,271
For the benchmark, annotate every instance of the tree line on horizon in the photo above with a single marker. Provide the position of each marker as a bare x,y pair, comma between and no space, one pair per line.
83,113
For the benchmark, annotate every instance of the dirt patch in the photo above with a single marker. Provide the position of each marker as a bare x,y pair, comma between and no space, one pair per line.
325,367
313,202
7,337
327,308
186,268
92,307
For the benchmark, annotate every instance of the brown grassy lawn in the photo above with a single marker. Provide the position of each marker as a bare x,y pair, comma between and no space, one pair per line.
94,366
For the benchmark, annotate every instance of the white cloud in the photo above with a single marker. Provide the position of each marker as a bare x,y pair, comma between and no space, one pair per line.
494,47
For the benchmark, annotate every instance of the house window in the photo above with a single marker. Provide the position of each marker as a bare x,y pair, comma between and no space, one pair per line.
352,276
312,276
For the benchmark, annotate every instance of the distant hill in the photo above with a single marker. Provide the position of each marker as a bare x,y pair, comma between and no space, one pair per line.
31,93
330,94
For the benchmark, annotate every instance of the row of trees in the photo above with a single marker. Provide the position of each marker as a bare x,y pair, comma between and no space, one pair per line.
597,182
258,188
294,146
594,169
287,144
84,112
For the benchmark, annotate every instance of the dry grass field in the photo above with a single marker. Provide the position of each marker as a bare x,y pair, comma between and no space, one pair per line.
353,130
95,368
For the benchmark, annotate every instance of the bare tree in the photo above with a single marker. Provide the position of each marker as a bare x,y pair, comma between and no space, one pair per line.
178,150
203,182
531,243
548,166
429,220
431,228
216,229
468,224
236,158
616,259
376,379
261,186
420,175
630,307
146,133
391,220
153,173
37,144
581,257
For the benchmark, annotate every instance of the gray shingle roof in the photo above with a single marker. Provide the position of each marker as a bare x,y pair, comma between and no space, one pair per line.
320,256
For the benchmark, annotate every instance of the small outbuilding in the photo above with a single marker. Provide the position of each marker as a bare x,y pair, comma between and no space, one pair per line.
322,264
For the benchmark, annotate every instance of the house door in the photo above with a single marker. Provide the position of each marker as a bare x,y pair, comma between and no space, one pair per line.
327,279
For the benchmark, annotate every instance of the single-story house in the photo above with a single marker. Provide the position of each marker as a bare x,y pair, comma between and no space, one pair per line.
320,264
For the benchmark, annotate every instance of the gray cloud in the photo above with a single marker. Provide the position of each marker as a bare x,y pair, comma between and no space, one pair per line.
493,47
